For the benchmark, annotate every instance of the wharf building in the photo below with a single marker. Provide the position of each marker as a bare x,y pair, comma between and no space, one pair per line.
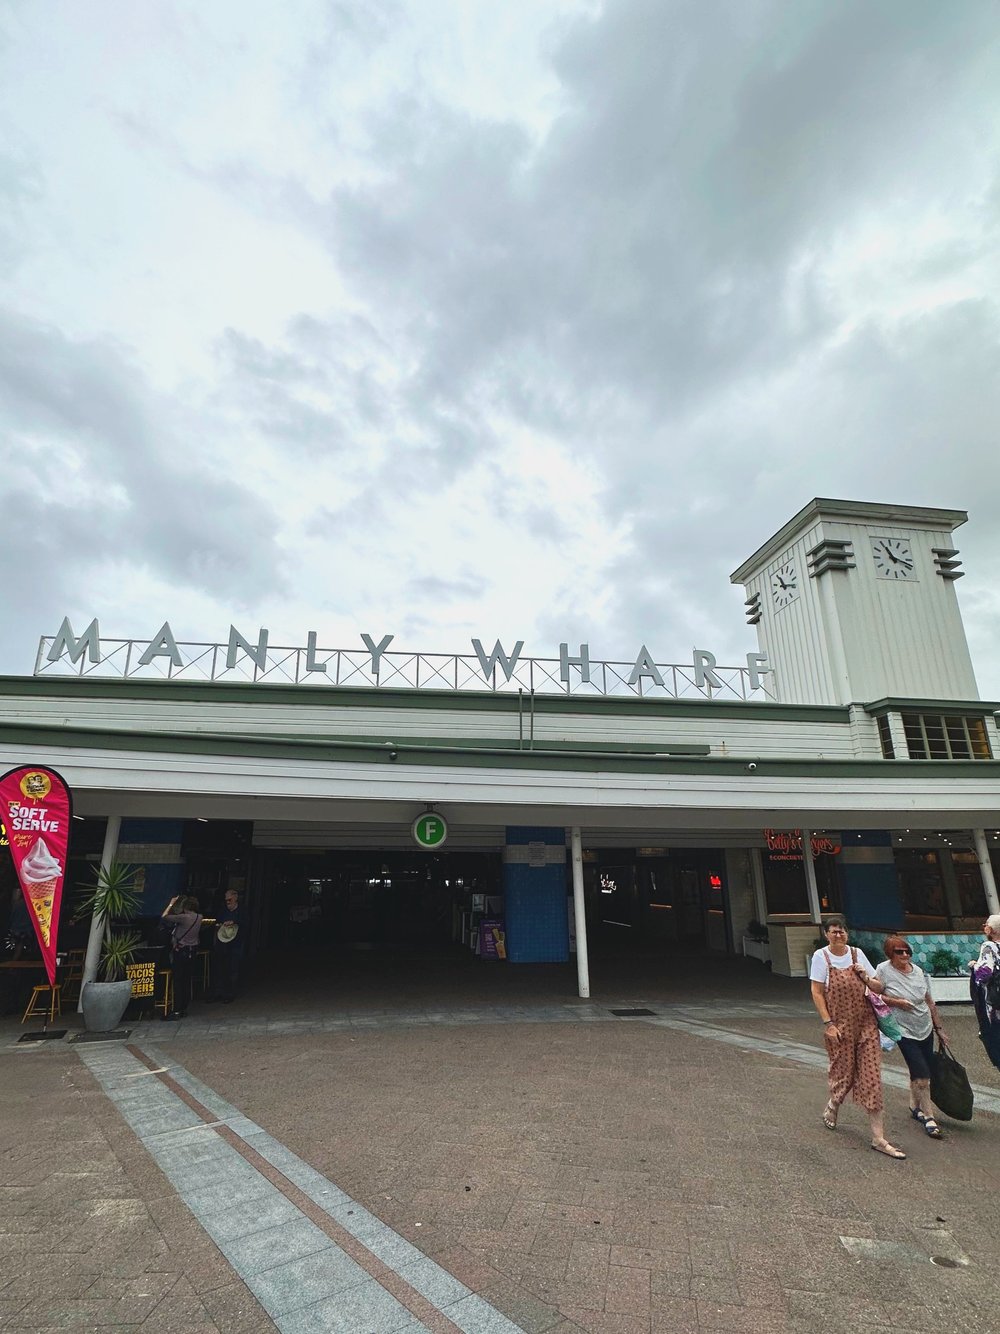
545,811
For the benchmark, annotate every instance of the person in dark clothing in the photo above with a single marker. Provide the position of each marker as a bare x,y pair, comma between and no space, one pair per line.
227,950
182,913
983,968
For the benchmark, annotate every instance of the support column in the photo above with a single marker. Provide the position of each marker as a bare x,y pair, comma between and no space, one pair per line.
986,870
812,889
580,915
96,939
757,884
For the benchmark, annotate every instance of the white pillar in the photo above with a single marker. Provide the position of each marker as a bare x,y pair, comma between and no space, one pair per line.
810,869
986,867
579,914
757,882
96,939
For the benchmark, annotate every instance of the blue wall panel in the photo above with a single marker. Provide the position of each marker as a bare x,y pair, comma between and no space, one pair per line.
535,900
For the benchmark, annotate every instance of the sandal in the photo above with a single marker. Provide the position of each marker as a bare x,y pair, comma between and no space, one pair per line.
890,1150
918,1115
830,1116
932,1128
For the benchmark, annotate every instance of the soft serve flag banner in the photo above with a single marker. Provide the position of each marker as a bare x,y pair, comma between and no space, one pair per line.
37,810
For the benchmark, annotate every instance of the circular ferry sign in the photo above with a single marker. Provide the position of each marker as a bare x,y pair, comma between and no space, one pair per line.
429,830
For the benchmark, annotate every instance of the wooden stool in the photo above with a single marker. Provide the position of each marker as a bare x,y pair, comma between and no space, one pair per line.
72,977
166,1003
44,1004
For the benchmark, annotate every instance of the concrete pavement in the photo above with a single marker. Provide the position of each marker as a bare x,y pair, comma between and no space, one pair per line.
552,1167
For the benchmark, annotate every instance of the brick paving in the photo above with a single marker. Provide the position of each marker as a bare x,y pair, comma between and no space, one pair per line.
578,1172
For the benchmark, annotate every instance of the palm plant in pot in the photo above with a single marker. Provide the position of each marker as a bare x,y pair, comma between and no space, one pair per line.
113,899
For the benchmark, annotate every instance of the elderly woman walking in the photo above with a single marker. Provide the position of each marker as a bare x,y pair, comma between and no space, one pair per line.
907,990
839,975
984,971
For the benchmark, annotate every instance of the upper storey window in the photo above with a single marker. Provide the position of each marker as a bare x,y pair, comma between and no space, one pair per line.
937,736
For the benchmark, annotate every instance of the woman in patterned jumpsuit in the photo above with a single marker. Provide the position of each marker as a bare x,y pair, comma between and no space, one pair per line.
838,977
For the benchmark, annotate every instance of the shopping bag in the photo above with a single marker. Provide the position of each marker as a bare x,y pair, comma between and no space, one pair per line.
951,1091
887,1025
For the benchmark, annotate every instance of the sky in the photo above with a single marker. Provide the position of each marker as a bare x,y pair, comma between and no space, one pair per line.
453,319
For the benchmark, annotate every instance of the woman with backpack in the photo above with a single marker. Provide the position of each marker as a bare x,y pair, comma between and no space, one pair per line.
985,987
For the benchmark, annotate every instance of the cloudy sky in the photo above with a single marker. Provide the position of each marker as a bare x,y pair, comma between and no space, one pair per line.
446,318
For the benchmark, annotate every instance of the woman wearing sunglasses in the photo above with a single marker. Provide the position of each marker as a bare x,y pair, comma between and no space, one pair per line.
907,991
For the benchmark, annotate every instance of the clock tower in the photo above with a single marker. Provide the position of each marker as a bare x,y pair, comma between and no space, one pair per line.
855,602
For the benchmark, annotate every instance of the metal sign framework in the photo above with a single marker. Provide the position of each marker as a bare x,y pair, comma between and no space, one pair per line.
285,665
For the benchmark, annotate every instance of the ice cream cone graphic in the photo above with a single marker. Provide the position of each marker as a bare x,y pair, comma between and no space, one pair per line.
40,873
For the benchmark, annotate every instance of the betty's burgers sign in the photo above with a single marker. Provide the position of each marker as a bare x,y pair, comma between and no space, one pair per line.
36,809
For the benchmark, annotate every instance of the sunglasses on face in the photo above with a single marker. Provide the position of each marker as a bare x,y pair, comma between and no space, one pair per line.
910,952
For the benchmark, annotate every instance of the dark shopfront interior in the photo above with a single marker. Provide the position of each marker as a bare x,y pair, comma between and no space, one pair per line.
300,906
394,901
644,900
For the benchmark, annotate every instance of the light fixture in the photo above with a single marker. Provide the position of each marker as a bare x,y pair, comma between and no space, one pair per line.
202,819
78,817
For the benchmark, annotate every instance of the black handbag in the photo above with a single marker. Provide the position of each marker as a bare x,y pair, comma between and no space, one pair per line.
951,1091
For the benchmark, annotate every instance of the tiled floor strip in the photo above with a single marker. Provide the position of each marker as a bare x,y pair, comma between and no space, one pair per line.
986,1099
313,1258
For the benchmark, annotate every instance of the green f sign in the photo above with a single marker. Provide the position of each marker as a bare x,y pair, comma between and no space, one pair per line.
429,830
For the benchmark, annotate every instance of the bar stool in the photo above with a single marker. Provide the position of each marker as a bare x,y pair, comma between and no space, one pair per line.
166,1002
72,976
45,1003
206,968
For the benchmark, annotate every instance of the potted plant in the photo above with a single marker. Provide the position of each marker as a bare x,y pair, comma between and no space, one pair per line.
756,942
114,898
947,981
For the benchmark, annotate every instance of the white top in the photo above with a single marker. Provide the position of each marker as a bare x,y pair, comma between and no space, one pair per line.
911,986
819,972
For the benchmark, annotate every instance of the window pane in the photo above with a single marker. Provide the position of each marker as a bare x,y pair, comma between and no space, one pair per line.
958,740
914,736
979,739
922,889
969,879
885,736
936,744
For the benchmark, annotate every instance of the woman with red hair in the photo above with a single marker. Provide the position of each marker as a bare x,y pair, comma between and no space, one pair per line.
908,992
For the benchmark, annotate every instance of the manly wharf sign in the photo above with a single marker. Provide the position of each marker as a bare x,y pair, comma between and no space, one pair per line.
241,660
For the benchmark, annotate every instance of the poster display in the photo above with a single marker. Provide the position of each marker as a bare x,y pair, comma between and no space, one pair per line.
37,811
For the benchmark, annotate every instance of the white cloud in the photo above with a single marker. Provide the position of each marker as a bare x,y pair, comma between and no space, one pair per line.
530,320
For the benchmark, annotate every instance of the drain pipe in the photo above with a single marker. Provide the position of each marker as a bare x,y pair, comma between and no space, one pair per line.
579,914
97,923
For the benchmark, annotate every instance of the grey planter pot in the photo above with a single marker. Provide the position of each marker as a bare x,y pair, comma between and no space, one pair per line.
104,1003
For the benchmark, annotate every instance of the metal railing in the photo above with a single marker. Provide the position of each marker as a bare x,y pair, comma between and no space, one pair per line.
120,660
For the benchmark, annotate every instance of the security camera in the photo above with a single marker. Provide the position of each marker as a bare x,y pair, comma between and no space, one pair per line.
751,766
393,752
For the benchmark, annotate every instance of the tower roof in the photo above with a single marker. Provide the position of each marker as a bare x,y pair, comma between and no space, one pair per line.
846,511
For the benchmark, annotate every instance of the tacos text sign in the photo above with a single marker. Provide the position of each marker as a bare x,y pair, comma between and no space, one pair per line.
37,811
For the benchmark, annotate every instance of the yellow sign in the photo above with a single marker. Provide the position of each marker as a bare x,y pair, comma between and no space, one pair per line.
143,979
36,786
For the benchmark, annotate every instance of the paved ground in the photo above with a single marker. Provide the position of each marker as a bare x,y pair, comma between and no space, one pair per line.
484,1152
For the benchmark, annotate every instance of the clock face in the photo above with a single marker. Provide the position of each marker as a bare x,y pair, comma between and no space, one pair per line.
893,558
784,585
